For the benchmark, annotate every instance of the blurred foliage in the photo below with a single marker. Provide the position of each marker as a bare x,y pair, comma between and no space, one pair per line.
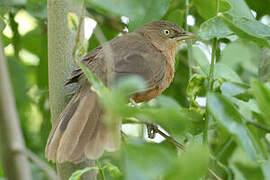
238,142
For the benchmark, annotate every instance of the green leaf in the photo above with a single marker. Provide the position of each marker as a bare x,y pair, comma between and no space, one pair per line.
171,119
77,174
220,71
177,16
73,21
38,8
223,71
201,59
214,28
195,86
236,89
249,29
194,121
12,2
249,59
139,12
142,159
265,168
164,102
190,165
259,7
262,95
225,113
250,172
2,24
129,85
264,69
120,95
208,8
112,169
96,84
240,9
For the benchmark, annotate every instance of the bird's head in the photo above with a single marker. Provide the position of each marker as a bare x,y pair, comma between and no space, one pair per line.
164,35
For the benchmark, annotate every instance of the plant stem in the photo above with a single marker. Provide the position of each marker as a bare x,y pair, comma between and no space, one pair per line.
100,170
258,125
211,72
210,88
189,46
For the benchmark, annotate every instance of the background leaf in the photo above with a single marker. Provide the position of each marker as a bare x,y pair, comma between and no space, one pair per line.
214,28
138,11
227,115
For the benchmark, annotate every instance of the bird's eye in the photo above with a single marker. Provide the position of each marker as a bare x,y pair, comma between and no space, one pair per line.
166,32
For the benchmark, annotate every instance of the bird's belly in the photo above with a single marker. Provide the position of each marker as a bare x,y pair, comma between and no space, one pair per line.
154,92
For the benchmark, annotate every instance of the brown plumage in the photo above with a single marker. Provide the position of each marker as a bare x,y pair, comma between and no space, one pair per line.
148,52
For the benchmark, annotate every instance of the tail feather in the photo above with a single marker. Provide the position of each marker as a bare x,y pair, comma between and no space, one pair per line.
87,134
56,134
76,126
81,132
94,148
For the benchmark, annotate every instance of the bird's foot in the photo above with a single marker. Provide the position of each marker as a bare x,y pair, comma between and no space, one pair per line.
151,130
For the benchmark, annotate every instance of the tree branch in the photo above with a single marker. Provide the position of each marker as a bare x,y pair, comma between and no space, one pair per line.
15,164
60,45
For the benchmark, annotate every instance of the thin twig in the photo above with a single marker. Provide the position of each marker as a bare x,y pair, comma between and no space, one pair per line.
101,171
177,144
78,36
45,167
258,125
214,174
170,139
98,32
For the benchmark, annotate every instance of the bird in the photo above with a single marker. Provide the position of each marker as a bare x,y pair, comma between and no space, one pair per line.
149,51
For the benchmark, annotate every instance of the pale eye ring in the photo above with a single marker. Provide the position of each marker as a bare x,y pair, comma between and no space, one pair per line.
166,32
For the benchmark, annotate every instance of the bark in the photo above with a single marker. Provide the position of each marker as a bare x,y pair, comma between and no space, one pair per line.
11,140
60,45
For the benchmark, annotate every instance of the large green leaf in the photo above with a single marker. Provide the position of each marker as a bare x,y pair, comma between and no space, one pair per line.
142,159
139,12
249,59
223,71
12,2
171,119
264,69
77,174
227,115
262,95
249,29
208,8
2,24
200,59
191,165
177,16
233,88
259,7
240,9
214,28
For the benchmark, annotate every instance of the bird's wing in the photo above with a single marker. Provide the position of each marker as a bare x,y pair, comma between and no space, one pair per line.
150,66
87,60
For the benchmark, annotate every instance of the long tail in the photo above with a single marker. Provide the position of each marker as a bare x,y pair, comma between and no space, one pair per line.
80,131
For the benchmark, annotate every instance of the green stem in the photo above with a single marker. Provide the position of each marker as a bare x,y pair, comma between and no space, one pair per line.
258,125
218,6
211,72
189,46
210,88
100,170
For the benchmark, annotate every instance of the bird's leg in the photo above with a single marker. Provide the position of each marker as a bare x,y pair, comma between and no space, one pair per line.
151,130
70,93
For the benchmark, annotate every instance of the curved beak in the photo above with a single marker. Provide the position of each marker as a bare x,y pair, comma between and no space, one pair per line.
185,35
